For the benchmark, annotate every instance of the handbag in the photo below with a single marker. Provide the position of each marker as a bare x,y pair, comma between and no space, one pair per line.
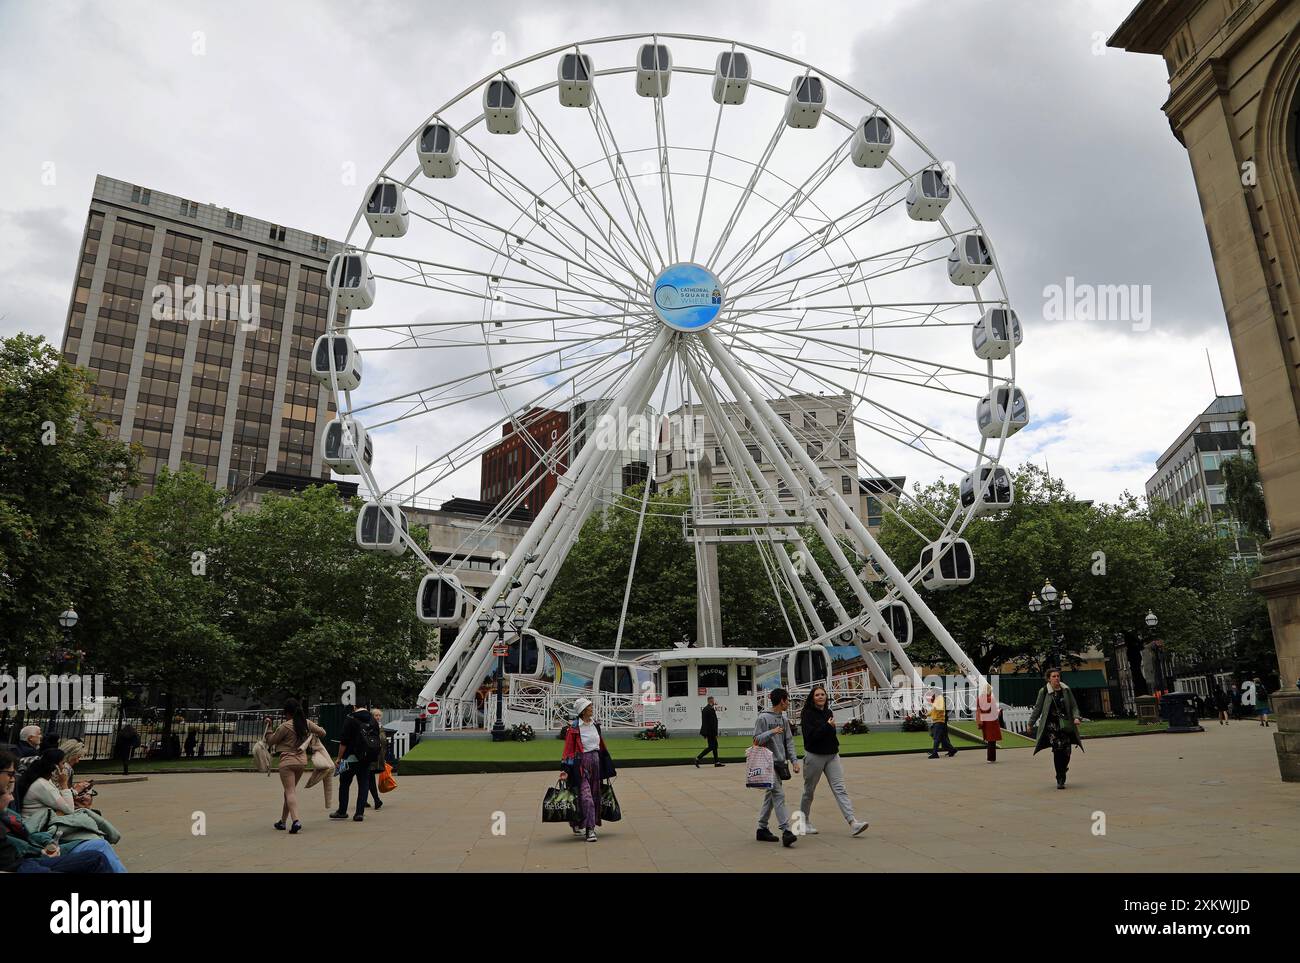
321,763
385,780
262,756
782,770
610,810
758,768
559,805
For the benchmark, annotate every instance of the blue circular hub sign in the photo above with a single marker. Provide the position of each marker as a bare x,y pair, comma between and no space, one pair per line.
687,297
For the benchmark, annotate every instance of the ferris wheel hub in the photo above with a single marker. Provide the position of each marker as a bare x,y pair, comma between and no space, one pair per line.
687,296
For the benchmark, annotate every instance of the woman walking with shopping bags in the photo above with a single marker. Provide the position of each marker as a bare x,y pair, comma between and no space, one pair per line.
822,756
586,763
294,736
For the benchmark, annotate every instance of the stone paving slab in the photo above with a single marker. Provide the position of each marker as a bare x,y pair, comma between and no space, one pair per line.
1208,801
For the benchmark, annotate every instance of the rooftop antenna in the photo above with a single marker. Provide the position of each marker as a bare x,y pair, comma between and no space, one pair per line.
1211,366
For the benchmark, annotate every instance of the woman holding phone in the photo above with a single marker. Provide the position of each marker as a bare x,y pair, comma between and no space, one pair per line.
822,757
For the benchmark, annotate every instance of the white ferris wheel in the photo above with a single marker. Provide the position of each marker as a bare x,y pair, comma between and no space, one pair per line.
659,224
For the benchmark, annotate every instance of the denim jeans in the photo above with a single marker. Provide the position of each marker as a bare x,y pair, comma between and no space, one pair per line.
359,771
80,860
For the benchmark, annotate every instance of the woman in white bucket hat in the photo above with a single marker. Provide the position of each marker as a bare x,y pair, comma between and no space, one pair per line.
586,763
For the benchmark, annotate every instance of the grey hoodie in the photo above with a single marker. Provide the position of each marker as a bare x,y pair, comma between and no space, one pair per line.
781,744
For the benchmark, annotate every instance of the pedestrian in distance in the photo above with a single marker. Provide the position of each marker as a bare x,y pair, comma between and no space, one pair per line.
381,759
938,725
1059,712
821,756
1222,703
988,717
773,732
359,743
709,730
292,737
1262,708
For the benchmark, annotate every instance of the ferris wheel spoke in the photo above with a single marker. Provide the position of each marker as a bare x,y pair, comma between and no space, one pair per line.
851,350
545,144
841,227
787,211
623,181
489,373
908,254
754,176
708,172
839,438
887,505
499,178
451,220
450,273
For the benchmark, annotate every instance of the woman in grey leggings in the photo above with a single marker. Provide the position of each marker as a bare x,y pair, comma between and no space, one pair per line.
822,755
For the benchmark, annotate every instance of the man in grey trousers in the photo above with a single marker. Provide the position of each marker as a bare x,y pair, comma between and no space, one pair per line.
773,731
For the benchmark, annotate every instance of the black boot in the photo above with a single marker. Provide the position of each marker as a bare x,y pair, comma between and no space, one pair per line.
764,835
788,839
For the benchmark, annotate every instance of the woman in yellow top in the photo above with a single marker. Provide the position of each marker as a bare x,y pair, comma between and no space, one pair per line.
291,735
938,725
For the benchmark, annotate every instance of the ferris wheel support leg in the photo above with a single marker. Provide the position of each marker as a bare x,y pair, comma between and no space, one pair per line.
551,551
905,588
737,453
569,508
764,420
638,385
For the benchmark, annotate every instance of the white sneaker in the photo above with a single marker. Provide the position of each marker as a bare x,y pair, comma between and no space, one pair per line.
591,835
857,826
809,829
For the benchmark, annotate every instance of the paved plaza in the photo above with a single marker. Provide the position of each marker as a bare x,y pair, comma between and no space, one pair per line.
1209,802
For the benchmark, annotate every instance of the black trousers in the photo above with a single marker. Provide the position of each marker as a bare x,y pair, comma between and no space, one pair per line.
365,783
1061,759
939,737
712,747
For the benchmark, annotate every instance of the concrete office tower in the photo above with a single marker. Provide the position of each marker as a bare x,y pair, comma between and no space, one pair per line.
197,324
1234,103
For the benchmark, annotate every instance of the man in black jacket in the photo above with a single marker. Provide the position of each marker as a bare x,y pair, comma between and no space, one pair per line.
356,749
709,730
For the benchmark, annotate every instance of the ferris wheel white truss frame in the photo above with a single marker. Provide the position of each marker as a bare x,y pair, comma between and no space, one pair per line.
613,268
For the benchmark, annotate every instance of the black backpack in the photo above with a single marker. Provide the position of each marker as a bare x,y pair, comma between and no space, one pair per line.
369,748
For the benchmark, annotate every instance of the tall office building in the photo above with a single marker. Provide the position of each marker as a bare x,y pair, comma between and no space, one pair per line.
1189,473
197,324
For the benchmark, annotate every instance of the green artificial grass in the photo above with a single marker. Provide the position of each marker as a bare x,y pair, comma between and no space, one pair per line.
107,766
438,756
1118,727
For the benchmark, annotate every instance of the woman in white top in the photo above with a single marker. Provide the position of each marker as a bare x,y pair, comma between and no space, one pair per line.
45,786
585,764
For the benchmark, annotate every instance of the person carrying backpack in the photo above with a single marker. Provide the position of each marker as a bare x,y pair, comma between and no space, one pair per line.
359,743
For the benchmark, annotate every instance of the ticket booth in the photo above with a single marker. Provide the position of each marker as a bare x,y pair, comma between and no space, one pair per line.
687,677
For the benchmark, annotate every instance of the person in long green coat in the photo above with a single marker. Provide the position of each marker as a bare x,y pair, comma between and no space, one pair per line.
1059,712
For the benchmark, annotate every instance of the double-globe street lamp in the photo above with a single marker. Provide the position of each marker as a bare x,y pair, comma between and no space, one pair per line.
501,647
1045,605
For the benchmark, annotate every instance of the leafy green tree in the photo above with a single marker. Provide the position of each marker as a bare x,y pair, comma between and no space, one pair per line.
157,619
58,467
586,598
310,612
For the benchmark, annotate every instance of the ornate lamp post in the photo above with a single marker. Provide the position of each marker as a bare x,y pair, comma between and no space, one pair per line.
1152,622
499,610
68,619
1044,605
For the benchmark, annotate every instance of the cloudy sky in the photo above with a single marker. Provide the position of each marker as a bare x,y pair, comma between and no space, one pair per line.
281,109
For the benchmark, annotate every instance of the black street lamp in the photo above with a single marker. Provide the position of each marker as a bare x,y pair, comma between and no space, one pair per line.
499,609
68,619
1159,654
1044,605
